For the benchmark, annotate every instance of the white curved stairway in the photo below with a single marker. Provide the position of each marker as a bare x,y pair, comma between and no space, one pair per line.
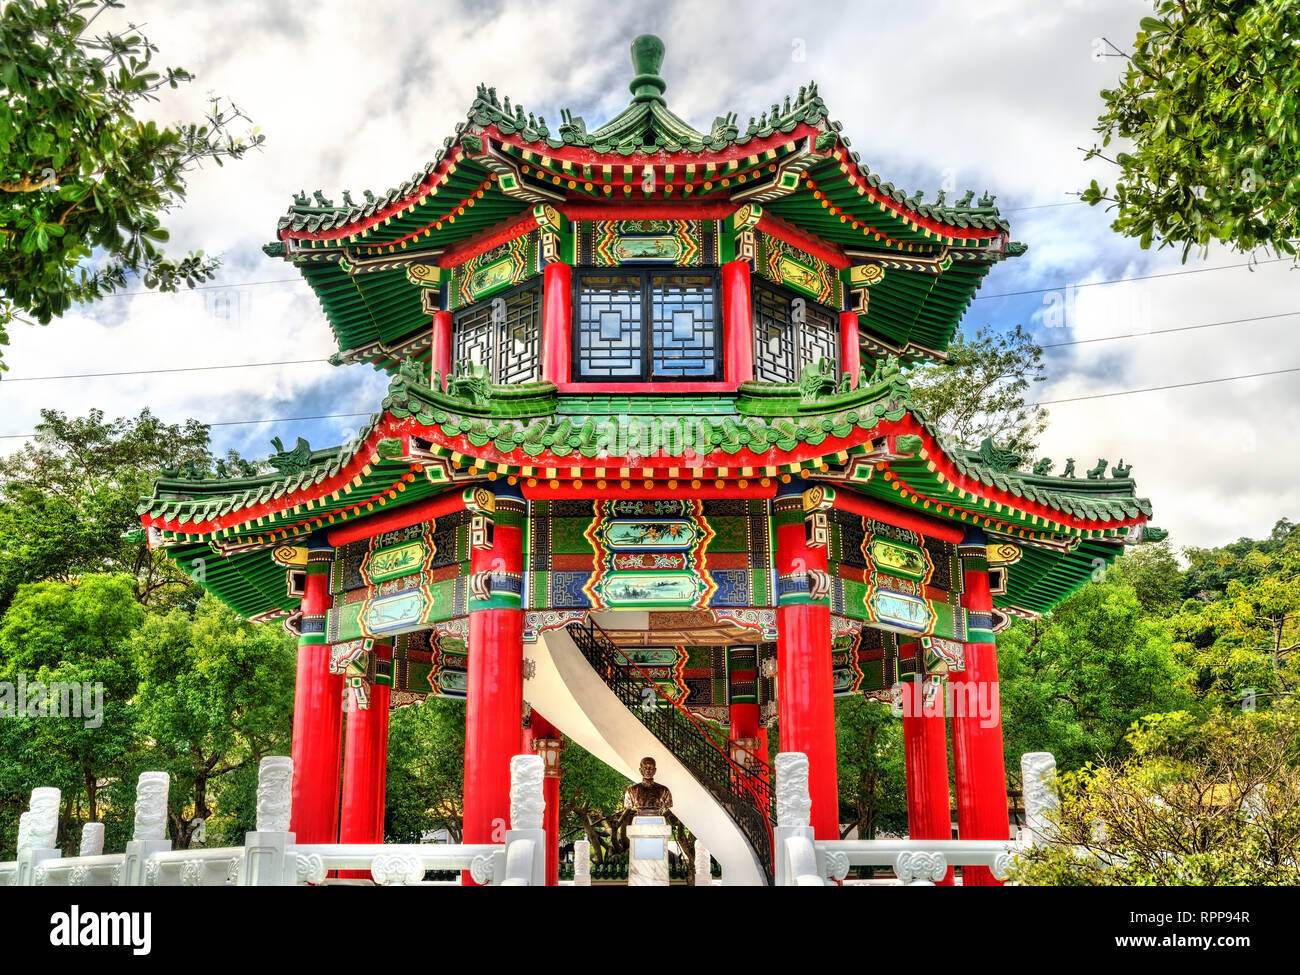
569,693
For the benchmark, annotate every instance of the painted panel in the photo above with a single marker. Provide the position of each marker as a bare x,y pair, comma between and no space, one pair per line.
624,589
395,614
389,563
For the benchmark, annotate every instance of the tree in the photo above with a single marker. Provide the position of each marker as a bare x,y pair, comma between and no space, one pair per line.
1074,684
980,391
591,801
1198,803
215,695
68,500
869,761
1152,572
74,633
84,177
426,770
1208,109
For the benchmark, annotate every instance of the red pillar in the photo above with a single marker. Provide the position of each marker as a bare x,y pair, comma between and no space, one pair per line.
805,697
365,761
494,698
317,711
544,738
441,352
557,322
737,324
925,755
977,717
850,347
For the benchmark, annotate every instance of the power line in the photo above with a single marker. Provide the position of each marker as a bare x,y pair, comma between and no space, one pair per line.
1166,331
1073,399
1043,206
150,372
1155,389
1139,277
200,287
237,423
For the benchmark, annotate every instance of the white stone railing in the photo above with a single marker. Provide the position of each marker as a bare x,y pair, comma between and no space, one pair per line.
269,856
802,861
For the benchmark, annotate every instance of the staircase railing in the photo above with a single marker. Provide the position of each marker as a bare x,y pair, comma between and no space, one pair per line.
742,790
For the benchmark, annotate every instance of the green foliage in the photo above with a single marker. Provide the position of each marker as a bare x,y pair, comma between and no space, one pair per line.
68,501
85,177
1241,639
57,631
981,390
215,694
1198,803
869,762
591,801
426,770
1208,112
1075,684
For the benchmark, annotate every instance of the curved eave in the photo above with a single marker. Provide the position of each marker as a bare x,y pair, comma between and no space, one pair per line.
250,583
1040,578
425,441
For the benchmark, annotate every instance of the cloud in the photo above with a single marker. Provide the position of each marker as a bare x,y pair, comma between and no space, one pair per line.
997,96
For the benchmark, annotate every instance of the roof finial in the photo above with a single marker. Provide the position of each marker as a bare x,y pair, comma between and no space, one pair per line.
647,56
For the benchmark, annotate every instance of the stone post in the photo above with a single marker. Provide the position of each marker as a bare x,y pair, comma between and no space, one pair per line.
582,863
527,813
38,830
269,860
92,840
703,866
1037,774
150,833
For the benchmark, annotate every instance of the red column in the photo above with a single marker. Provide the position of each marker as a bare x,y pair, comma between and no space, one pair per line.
977,717
850,348
541,736
365,760
441,353
557,322
925,755
737,324
317,712
494,698
804,695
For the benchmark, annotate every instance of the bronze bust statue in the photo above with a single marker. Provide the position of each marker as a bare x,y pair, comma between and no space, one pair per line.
647,797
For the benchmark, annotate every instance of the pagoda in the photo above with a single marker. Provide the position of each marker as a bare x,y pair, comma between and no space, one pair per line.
648,475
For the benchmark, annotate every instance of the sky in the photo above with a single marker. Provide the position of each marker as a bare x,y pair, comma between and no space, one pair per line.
999,96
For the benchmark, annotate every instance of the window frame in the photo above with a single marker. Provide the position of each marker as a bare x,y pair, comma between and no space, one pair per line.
474,307
797,333
646,273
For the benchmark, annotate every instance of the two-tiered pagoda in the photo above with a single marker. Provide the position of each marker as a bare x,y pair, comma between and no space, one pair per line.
648,467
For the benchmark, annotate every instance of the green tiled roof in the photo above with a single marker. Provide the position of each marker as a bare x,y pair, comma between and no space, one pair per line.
368,260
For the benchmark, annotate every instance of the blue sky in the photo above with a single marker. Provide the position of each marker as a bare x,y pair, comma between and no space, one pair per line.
997,96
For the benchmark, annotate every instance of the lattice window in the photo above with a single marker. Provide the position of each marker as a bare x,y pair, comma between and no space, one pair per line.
610,343
683,326
789,333
503,334
775,357
646,325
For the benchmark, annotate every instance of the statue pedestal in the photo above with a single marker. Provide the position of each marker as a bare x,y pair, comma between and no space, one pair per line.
647,864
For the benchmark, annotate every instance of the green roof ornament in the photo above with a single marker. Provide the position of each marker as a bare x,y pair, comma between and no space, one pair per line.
995,457
290,461
1043,467
1095,473
647,57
